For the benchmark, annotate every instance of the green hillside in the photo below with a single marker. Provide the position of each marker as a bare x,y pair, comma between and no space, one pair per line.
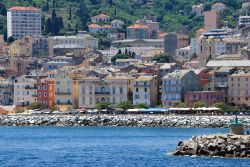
173,15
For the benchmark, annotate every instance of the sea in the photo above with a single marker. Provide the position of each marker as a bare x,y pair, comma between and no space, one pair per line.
102,147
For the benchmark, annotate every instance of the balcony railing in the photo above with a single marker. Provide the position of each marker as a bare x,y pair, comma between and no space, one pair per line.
63,93
102,93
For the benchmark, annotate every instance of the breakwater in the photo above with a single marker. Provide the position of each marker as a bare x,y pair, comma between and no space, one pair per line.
188,121
221,145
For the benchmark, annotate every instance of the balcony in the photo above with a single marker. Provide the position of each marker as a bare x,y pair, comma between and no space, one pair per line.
102,93
34,95
30,87
62,93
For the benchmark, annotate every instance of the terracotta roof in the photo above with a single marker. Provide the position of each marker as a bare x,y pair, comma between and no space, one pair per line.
137,26
94,26
101,16
24,8
107,26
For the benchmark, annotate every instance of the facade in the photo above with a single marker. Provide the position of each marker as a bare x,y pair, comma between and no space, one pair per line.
71,42
176,84
220,7
238,89
198,9
206,97
6,91
170,43
156,43
45,92
212,19
152,25
20,47
63,90
138,31
243,21
117,23
184,52
23,21
245,5
113,89
100,18
145,90
25,90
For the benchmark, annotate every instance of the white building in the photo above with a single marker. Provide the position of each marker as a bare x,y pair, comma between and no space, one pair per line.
23,21
25,92
117,23
244,21
198,9
145,90
186,52
77,41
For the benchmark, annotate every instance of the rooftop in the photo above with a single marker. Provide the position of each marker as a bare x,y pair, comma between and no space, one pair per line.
137,26
28,8
101,16
228,63
176,74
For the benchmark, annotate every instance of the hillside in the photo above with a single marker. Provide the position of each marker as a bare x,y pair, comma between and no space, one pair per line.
173,15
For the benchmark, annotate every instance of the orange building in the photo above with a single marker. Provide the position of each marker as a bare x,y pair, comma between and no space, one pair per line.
45,92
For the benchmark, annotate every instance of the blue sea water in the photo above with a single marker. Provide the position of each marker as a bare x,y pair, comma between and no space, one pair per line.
101,146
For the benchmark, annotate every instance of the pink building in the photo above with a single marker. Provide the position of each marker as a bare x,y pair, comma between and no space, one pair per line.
207,97
212,19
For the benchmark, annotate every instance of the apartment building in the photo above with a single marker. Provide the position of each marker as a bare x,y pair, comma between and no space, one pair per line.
79,41
212,19
176,84
6,91
23,21
113,89
146,90
239,89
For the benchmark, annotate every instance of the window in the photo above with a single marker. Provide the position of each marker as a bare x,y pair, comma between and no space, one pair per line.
145,96
45,87
145,89
121,90
39,94
113,90
45,94
137,90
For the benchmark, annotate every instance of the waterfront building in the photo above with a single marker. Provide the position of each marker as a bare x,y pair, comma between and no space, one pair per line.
206,97
238,89
45,92
113,89
146,90
6,91
176,84
25,90
63,91
63,44
23,21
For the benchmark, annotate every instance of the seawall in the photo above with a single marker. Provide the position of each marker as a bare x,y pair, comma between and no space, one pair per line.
185,121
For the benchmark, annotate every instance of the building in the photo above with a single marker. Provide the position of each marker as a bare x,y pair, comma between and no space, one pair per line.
152,25
170,43
113,89
156,43
206,97
138,31
145,90
243,21
245,5
6,91
25,90
198,9
67,43
186,52
176,84
220,7
63,91
100,18
212,19
55,65
117,23
116,36
45,92
20,47
23,21
238,89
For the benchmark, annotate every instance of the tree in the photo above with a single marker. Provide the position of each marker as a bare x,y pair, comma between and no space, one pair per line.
125,105
198,104
141,106
37,105
162,58
70,13
103,105
120,56
179,104
222,106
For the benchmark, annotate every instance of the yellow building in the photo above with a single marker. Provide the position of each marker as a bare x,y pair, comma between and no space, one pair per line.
20,48
239,89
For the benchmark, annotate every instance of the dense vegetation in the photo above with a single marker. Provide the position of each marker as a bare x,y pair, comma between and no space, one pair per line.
74,15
